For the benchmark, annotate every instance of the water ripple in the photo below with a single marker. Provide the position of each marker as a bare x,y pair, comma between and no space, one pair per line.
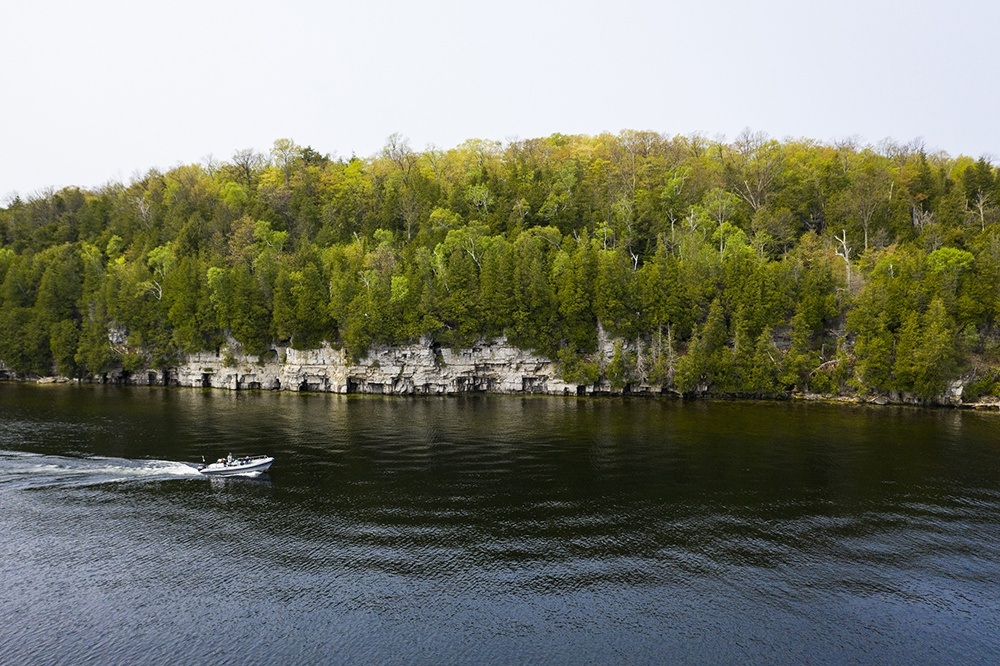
495,531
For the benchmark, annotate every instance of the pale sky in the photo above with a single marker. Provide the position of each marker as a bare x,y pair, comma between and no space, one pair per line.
103,90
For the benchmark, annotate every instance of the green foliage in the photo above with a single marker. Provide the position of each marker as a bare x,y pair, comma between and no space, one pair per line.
577,369
926,354
65,338
620,370
760,376
705,365
755,267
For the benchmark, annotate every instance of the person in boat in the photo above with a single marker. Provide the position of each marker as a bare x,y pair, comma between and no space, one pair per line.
229,459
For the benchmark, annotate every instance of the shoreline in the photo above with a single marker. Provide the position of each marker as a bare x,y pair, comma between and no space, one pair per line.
424,368
795,397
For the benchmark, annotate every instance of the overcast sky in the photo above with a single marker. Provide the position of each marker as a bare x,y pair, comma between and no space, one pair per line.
103,90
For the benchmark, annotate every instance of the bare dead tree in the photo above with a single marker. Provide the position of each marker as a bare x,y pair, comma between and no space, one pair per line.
921,218
845,253
142,207
469,245
981,202
397,150
751,165
247,163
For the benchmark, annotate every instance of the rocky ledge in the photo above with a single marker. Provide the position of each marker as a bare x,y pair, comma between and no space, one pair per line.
422,368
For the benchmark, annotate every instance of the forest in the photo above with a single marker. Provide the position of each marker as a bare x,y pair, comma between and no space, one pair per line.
751,267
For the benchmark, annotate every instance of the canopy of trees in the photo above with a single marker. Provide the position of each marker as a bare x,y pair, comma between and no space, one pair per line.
752,267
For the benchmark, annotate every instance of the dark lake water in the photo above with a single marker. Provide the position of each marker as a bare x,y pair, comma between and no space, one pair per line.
493,530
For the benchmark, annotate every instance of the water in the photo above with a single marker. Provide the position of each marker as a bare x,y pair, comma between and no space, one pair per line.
493,530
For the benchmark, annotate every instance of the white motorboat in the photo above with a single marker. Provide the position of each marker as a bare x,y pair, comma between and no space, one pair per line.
240,466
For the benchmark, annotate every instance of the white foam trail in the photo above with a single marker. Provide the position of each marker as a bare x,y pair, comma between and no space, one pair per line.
47,470
150,467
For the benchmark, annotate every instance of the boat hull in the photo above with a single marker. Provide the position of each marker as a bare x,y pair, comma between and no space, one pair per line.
254,467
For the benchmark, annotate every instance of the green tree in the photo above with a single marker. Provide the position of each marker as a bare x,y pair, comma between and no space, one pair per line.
926,352
620,370
703,364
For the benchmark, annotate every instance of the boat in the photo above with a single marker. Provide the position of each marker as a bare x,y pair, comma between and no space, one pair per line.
240,466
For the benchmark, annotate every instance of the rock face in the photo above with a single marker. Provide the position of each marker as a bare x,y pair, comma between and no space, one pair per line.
422,368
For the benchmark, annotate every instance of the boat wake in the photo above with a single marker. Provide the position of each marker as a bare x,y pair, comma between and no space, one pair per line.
35,470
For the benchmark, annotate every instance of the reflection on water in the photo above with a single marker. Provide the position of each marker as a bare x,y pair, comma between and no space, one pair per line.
493,529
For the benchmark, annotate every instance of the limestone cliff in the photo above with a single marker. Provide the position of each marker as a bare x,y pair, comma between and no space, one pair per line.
421,368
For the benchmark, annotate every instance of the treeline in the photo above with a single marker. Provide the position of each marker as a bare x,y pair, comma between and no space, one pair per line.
750,267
